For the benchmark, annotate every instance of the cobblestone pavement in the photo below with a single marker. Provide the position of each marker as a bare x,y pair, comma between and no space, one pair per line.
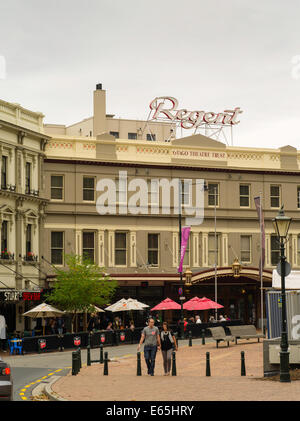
225,383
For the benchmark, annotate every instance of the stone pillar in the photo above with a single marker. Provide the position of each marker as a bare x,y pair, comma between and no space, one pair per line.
132,254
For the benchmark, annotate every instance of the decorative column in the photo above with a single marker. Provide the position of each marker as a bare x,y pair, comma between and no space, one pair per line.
111,249
294,261
101,261
175,248
132,242
268,249
195,243
78,242
224,239
205,249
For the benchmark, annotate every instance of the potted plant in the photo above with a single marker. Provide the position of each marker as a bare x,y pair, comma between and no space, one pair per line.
5,254
30,256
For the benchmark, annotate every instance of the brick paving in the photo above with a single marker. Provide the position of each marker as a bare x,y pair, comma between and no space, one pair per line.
225,383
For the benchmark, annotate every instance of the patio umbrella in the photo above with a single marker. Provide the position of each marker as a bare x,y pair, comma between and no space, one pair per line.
204,303
126,305
42,311
166,304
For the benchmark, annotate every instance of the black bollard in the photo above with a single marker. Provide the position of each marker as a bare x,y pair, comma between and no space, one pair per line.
203,337
88,358
139,367
101,353
265,330
243,367
75,363
207,364
190,338
105,370
89,339
174,373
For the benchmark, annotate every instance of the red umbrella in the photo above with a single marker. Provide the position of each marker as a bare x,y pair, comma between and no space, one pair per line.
166,304
204,303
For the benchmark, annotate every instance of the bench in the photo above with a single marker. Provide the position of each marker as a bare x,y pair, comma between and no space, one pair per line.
245,332
218,334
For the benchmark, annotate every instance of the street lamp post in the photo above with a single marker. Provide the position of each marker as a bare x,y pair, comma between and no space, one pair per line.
181,277
282,224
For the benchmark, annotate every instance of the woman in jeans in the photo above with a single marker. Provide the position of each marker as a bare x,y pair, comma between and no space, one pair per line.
168,342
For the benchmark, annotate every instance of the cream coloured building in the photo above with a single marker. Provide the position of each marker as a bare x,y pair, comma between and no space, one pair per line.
22,209
141,250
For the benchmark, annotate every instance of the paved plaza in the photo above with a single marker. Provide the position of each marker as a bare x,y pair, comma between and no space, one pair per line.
225,383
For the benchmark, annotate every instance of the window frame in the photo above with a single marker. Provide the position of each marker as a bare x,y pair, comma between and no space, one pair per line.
94,248
28,186
121,249
246,251
62,188
212,234
279,188
243,196
217,195
272,251
5,173
88,189
56,248
154,249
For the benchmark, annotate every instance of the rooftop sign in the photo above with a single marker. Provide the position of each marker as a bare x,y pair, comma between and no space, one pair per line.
166,107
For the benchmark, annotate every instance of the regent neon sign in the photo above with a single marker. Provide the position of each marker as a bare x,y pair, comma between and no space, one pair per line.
166,107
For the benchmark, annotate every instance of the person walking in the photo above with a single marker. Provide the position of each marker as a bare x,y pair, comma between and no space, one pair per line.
168,343
150,335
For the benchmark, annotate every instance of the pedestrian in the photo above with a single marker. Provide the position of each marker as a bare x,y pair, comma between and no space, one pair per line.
198,320
109,326
226,317
211,319
150,335
91,324
53,326
222,318
168,343
132,327
60,325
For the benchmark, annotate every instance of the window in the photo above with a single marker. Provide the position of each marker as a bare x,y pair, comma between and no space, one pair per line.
153,249
298,254
4,172
57,187
4,236
120,249
212,249
116,134
275,252
153,192
246,248
88,245
28,177
89,188
298,197
185,192
28,239
132,136
57,247
213,194
151,136
244,195
275,196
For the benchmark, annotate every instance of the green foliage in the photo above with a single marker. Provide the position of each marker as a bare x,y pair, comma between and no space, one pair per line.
81,286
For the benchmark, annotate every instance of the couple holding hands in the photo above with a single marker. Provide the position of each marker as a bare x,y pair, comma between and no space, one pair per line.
165,340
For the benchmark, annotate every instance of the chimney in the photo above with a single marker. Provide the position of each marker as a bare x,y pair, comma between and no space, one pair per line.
99,123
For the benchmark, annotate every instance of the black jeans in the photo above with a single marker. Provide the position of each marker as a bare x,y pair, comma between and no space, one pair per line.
150,354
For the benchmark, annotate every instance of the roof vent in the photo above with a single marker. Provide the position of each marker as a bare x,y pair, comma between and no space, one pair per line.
99,86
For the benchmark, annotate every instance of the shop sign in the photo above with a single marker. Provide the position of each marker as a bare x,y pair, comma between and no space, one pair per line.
166,107
12,296
31,296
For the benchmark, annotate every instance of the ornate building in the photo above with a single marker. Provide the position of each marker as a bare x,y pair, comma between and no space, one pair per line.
22,211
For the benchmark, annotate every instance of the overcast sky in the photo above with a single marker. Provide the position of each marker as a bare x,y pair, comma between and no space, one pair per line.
211,55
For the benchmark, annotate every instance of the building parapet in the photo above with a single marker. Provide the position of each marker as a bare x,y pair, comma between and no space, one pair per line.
19,116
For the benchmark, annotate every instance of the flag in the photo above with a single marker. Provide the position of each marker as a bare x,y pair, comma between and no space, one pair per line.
185,232
258,205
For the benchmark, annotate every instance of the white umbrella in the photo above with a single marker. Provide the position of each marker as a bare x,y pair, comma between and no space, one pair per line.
126,305
43,310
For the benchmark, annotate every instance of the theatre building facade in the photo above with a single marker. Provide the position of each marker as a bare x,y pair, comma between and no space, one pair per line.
140,247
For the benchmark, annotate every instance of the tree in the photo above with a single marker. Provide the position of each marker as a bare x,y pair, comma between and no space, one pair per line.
81,286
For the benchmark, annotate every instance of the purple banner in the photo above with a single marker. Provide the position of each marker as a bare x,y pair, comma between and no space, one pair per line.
258,205
185,232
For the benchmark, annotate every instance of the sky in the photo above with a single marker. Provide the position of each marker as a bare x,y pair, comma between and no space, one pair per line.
210,55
